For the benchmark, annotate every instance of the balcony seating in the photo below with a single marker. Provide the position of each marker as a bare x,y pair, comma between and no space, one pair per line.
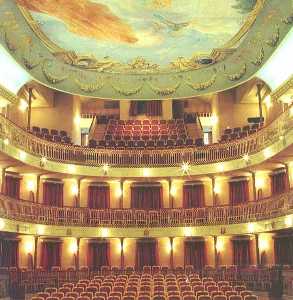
231,134
52,135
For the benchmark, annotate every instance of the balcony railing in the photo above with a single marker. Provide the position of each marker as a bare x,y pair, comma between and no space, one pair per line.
140,158
253,211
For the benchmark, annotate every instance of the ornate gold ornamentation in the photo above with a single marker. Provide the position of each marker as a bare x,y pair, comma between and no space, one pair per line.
10,42
127,92
274,40
90,87
10,97
31,59
202,85
164,91
51,75
288,20
259,59
238,75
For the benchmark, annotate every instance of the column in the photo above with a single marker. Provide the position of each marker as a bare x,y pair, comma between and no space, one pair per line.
258,93
257,250
253,186
77,254
214,192
121,196
77,200
29,111
171,253
38,188
122,253
171,198
35,261
216,251
288,176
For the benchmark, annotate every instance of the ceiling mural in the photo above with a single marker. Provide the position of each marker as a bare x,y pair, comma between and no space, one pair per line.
140,35
143,49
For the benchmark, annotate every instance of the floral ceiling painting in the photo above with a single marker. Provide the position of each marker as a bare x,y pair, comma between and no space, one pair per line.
139,33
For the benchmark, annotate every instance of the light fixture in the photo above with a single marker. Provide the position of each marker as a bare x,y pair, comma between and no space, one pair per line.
219,245
118,192
30,185
263,245
2,224
187,231
185,167
71,168
221,168
250,227
40,230
22,105
106,168
173,190
22,155
6,141
168,246
104,232
77,120
214,120
246,157
28,247
73,247
259,182
146,172
43,159
267,153
217,189
289,221
74,189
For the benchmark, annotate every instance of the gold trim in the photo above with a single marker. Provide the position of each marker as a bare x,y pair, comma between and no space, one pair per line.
9,96
214,54
282,89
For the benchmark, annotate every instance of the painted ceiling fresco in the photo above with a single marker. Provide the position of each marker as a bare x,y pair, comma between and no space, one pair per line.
152,34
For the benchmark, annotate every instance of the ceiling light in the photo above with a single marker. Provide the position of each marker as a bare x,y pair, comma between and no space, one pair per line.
246,157
267,153
30,185
71,168
22,155
221,168
146,172
185,167
43,160
106,168
6,141
250,227
40,230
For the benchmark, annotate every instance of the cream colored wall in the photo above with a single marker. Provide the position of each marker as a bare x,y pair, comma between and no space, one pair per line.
62,115
16,115
167,111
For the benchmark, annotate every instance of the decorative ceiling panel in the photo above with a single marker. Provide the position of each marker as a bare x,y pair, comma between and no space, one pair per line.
144,49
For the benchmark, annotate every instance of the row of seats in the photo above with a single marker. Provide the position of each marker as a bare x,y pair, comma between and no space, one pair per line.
146,287
146,144
231,134
52,135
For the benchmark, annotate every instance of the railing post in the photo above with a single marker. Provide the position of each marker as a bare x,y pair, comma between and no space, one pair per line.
35,262
38,188
253,186
257,250
3,187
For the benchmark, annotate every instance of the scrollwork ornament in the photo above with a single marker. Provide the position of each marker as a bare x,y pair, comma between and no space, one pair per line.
10,42
127,92
90,87
202,85
288,20
31,59
164,91
51,75
259,59
237,76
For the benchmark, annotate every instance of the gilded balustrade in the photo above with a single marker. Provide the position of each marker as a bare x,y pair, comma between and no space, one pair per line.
223,215
138,158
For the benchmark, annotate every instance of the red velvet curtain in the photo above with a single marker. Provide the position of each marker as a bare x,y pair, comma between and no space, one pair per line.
53,194
146,197
193,195
51,254
146,253
241,252
239,192
98,196
98,255
279,182
153,108
194,254
283,250
8,252
12,186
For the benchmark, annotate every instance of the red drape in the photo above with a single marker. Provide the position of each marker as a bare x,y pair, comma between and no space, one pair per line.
8,252
12,186
283,250
194,253
154,108
53,193
241,252
239,192
146,253
98,196
146,197
98,254
193,195
279,182
51,254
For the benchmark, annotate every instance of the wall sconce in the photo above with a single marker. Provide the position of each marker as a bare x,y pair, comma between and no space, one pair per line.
217,191
187,231
30,187
263,246
106,169
259,184
251,227
185,167
268,101
23,105
173,190
119,192
28,248
146,172
214,120
73,249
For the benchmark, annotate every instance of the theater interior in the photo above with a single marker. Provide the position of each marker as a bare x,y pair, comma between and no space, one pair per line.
146,149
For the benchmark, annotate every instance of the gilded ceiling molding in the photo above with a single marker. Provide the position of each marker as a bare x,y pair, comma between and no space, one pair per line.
111,81
283,89
7,95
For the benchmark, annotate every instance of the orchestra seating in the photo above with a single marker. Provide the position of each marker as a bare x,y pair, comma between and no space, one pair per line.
52,135
141,134
231,134
150,284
